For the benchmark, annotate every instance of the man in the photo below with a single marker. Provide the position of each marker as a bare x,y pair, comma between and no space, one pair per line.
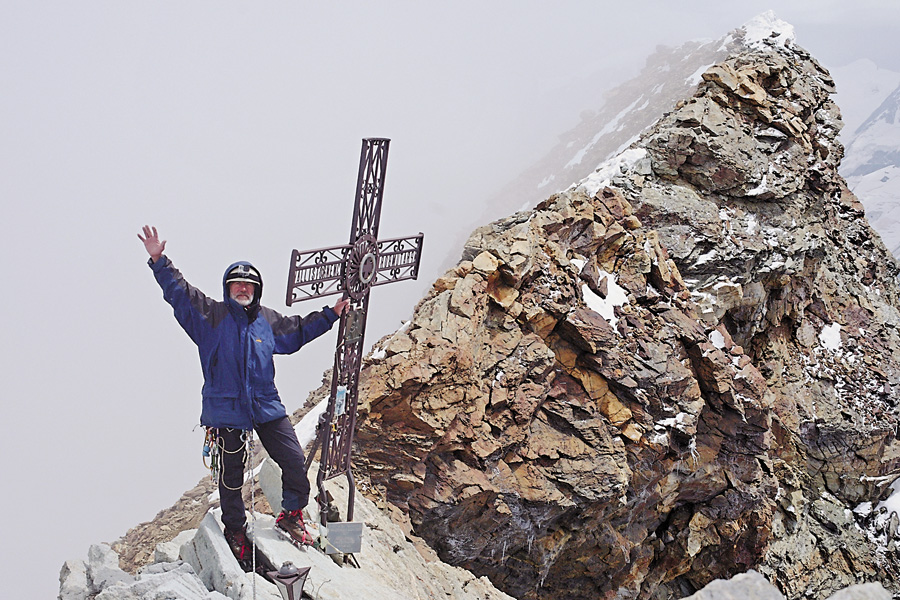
237,339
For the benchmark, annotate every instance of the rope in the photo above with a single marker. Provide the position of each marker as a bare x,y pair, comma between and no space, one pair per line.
249,443
213,447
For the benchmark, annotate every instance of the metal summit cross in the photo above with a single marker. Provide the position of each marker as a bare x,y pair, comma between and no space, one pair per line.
352,269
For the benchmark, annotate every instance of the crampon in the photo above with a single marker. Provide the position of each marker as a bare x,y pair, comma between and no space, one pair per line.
291,526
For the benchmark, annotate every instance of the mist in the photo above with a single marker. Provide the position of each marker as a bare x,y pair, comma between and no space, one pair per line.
235,129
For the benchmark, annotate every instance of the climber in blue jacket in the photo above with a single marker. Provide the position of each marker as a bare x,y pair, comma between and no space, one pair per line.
237,338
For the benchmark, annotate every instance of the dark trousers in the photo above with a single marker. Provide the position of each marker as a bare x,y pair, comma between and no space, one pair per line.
280,441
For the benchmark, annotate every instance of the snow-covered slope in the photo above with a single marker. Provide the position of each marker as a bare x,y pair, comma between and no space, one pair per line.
861,88
872,168
868,97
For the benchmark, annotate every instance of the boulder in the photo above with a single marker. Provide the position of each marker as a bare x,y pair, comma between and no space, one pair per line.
745,586
161,581
170,551
103,568
73,581
211,558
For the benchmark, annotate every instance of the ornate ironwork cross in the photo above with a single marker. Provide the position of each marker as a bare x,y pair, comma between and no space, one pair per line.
352,269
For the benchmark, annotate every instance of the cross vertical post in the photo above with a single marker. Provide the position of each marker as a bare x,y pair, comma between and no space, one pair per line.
352,270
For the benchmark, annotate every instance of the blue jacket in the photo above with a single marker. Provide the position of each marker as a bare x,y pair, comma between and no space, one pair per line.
236,347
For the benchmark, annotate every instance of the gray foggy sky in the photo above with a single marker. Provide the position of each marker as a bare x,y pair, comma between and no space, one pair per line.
235,129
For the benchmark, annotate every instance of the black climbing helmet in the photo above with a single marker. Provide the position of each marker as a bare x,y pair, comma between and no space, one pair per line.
244,273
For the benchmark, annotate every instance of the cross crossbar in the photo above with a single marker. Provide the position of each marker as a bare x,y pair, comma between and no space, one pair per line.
322,272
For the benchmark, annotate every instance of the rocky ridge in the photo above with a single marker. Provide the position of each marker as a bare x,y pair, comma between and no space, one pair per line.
682,368
624,112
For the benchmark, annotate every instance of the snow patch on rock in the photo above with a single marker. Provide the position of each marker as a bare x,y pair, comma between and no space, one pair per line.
609,169
830,337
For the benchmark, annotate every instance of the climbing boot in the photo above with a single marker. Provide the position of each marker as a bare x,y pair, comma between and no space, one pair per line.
290,524
240,547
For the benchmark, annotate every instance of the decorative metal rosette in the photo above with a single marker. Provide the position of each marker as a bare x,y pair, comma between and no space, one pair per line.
362,266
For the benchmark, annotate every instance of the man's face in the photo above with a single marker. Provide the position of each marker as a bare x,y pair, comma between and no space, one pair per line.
241,292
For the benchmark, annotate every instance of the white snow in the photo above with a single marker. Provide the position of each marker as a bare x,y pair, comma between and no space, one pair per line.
767,26
863,508
705,301
378,354
697,75
717,339
752,224
306,428
605,307
546,181
760,189
676,422
725,282
609,169
705,258
608,128
725,41
661,438
624,145
892,504
830,337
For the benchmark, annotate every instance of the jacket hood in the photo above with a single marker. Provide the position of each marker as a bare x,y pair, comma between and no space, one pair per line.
254,306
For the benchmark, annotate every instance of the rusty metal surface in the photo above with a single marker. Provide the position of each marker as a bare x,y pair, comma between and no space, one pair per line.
352,270
348,268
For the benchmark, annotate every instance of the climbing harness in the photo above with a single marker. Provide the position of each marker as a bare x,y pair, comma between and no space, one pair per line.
214,446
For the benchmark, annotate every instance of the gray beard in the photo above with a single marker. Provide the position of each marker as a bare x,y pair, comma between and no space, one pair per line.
243,301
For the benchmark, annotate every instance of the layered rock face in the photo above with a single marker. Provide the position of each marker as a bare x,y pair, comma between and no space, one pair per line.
787,262
680,369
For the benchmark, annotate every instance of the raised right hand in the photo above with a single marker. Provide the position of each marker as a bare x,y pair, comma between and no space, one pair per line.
152,244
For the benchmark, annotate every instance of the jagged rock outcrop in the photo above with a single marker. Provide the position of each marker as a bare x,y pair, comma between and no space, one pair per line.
623,113
680,369
101,578
531,438
786,260
789,264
